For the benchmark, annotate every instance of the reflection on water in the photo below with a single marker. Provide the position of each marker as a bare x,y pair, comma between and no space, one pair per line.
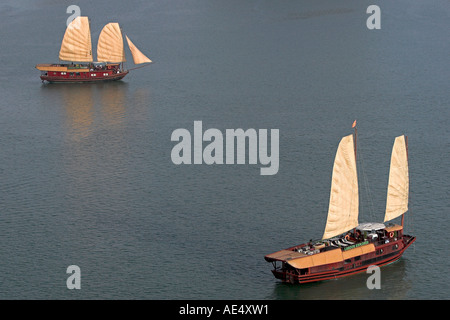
351,287
94,159
80,102
113,101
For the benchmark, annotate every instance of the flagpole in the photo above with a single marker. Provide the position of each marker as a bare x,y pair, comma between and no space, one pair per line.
355,136
354,145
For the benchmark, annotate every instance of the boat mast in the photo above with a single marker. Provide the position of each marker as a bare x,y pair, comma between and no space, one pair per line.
123,50
406,145
354,147
355,136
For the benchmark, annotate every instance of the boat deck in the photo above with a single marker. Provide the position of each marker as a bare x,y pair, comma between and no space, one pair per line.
337,257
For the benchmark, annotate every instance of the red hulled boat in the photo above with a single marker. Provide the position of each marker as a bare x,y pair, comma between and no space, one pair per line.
76,49
348,247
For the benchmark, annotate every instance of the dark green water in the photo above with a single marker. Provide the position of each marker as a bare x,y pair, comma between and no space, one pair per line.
86,176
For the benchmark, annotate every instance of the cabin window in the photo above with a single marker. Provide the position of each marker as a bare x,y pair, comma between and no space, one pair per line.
71,74
357,258
78,74
348,261
303,271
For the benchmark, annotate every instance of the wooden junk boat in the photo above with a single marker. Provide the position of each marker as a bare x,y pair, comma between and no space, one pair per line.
76,48
348,247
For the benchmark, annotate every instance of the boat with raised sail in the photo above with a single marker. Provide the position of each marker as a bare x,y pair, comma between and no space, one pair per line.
348,247
76,49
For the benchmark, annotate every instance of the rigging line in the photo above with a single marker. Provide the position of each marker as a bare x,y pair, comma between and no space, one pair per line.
140,66
410,212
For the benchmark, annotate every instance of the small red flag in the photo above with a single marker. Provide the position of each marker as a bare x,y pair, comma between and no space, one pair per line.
354,124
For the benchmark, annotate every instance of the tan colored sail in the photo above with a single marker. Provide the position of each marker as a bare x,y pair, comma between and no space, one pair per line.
398,186
344,200
76,44
138,56
110,44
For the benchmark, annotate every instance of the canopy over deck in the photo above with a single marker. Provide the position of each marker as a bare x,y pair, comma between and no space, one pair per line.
369,226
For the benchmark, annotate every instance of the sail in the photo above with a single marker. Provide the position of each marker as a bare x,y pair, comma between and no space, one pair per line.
110,44
398,186
138,56
76,44
344,199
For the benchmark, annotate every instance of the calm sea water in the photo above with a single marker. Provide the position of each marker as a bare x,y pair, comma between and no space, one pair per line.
86,176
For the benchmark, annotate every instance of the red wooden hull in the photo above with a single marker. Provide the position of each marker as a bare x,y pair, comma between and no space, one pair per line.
90,76
80,72
384,254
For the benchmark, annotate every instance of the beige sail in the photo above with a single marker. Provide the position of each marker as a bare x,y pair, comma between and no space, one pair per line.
344,199
76,44
398,186
138,56
110,44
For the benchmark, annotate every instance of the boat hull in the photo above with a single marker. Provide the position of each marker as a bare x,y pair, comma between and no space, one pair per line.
383,254
80,73
84,78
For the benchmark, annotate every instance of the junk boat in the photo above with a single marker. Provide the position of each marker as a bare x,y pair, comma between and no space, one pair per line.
348,247
76,48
